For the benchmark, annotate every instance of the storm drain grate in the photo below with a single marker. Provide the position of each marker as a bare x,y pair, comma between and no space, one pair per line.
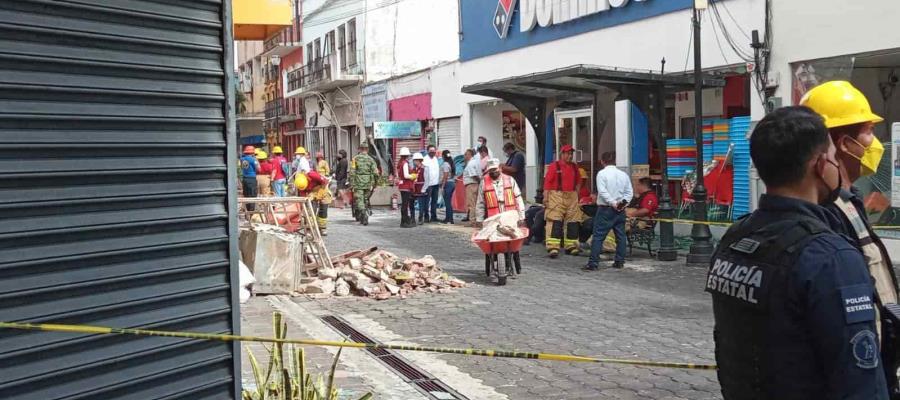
421,380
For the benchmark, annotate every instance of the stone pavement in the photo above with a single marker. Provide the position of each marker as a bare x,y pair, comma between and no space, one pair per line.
648,311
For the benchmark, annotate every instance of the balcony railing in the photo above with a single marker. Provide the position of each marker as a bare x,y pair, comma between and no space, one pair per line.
271,73
325,70
282,42
273,109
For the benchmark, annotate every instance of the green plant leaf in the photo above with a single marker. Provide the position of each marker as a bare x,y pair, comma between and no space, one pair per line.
367,396
257,375
334,364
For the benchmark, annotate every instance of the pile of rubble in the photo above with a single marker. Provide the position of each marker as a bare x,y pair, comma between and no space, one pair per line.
379,274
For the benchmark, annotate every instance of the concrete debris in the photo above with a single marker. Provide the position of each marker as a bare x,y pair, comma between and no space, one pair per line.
380,275
501,227
341,288
320,286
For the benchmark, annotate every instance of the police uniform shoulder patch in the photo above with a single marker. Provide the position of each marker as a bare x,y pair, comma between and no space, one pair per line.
745,245
858,303
865,349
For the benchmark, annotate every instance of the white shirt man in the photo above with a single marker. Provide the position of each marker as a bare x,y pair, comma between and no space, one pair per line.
302,164
432,171
482,142
472,172
613,187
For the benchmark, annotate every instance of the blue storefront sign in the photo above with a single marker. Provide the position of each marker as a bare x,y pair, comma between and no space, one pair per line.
495,26
398,129
259,139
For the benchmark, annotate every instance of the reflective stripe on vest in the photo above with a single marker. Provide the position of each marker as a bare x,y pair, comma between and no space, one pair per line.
491,203
884,283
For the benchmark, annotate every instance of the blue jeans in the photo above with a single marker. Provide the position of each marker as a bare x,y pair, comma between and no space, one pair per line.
432,198
278,185
422,203
449,188
608,218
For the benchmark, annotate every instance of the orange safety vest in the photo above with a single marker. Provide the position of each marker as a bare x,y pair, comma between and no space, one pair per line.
491,202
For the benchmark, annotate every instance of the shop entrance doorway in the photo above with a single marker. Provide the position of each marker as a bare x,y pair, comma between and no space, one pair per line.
576,128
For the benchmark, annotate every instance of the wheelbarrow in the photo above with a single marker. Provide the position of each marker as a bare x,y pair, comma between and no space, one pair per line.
510,250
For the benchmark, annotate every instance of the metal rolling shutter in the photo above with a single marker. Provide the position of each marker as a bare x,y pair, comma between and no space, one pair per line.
448,135
117,171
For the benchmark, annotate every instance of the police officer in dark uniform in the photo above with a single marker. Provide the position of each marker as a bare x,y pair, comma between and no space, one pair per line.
793,301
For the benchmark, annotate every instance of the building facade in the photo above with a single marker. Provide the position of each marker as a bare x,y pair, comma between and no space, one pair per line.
540,74
805,50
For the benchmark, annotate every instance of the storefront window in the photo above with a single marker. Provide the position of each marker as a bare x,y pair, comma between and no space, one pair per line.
868,73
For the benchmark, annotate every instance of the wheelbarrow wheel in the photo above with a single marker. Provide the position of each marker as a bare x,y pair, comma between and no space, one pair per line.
488,261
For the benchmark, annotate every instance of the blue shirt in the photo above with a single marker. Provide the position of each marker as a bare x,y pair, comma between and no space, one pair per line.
517,161
830,313
248,166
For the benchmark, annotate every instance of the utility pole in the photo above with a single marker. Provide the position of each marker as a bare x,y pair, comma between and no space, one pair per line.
702,248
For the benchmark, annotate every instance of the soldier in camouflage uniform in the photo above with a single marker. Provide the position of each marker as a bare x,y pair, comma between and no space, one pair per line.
363,177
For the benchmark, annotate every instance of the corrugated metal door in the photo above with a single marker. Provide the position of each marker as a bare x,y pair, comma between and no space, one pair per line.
117,171
449,135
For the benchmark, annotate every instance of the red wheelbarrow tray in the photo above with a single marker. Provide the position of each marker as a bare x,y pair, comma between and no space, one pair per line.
503,246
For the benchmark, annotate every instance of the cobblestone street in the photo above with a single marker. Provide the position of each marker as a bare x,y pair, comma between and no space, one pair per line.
648,311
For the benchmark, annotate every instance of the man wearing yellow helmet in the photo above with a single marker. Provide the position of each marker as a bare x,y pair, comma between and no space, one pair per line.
850,121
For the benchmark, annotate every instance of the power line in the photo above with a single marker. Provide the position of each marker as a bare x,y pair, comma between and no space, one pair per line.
717,19
725,6
719,43
690,42
353,13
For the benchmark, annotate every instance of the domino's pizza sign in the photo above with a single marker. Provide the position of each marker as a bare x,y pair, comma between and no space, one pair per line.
492,27
554,12
503,17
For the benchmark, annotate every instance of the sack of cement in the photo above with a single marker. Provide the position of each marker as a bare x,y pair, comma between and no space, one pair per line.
246,279
501,227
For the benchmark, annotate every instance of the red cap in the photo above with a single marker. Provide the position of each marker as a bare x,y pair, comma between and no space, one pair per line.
566,148
249,149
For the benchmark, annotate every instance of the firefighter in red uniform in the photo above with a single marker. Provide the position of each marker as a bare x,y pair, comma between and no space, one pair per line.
562,183
498,193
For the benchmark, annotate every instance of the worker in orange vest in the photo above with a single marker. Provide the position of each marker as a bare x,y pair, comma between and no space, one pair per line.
498,193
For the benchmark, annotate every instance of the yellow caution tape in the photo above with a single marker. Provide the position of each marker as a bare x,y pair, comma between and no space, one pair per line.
230,338
692,222
727,224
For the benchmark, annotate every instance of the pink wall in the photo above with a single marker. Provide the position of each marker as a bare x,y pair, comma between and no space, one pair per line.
293,58
411,108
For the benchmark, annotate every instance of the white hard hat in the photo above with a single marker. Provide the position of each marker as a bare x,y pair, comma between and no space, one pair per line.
492,164
404,151
418,156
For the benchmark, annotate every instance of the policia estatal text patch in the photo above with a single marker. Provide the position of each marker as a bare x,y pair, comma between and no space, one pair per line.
738,281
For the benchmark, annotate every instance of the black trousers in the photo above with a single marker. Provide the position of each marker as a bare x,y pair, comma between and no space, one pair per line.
407,206
251,189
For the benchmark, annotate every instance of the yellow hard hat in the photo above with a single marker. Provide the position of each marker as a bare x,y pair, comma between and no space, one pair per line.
300,150
840,104
277,150
301,181
261,155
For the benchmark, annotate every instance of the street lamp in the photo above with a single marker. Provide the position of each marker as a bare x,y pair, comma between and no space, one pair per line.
667,251
701,248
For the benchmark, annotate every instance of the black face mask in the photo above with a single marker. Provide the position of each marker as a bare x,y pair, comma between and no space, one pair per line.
431,153
836,192
494,175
